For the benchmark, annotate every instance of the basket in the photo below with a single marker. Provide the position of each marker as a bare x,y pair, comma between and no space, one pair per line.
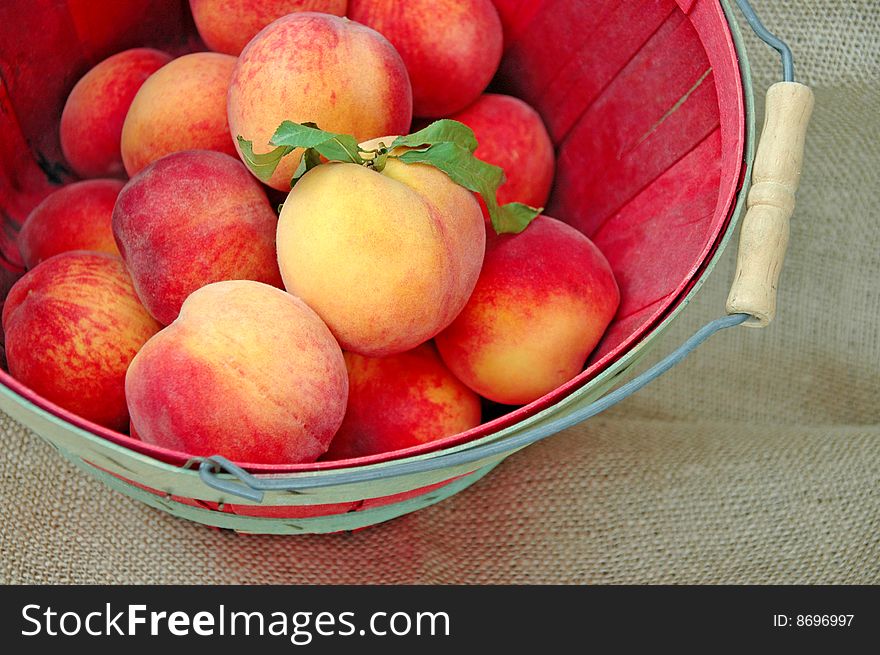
653,121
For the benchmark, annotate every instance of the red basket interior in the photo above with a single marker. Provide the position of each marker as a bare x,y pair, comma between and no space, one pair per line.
643,99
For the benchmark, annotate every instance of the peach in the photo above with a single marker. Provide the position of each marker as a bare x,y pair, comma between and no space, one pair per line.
246,371
91,123
400,401
543,300
189,219
182,106
227,25
451,48
72,326
313,67
512,135
386,259
75,217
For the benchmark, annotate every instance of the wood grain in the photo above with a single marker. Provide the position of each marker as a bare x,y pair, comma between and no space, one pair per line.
777,169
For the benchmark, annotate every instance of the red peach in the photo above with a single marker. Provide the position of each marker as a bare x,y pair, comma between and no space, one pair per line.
227,25
246,371
315,67
182,106
72,326
400,401
76,217
543,300
91,123
512,135
451,48
189,219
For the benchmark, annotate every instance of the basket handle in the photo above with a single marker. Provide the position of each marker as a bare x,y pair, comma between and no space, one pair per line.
764,235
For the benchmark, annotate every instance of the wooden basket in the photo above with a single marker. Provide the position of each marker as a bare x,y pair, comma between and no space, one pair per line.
650,105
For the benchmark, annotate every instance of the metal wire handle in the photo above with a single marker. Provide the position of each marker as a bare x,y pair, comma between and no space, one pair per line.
769,38
251,487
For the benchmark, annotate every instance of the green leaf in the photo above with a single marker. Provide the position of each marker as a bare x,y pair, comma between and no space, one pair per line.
307,162
299,135
263,165
459,164
475,175
341,148
380,161
442,131
514,217
335,147
445,144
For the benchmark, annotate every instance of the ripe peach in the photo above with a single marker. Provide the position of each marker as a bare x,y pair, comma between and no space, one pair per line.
189,219
451,48
75,217
401,401
246,371
386,259
91,123
227,25
72,326
182,106
543,301
316,67
512,135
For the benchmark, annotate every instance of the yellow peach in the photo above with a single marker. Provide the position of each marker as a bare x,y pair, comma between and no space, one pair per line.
182,106
386,259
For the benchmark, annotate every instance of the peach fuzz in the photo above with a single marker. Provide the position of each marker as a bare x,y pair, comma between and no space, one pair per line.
543,300
386,259
451,48
512,135
182,106
246,371
401,401
91,123
227,25
72,325
314,67
75,217
190,219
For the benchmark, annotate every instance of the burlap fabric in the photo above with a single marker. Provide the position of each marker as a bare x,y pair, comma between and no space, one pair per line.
755,461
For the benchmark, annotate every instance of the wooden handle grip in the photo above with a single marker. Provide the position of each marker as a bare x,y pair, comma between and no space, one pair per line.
770,203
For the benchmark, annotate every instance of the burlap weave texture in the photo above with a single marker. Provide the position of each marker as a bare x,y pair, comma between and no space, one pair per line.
757,460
